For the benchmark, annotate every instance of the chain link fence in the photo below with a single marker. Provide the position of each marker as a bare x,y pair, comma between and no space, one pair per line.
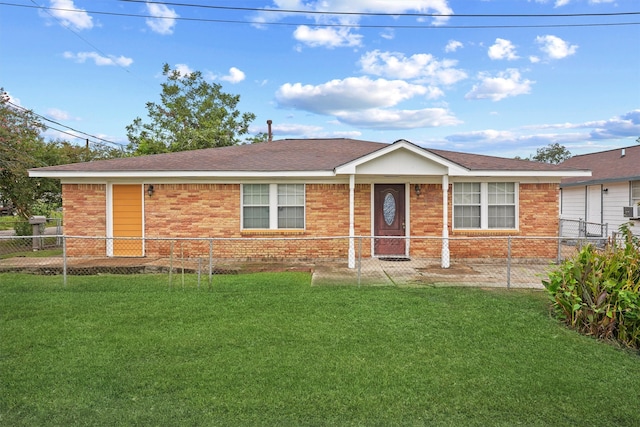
511,262
581,229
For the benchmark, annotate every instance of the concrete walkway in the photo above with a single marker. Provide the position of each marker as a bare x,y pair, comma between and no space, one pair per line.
415,273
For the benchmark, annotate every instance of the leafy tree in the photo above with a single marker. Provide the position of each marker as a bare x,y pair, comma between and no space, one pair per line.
192,114
22,147
257,138
552,153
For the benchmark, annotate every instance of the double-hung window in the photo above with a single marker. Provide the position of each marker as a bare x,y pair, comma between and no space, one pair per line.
273,206
484,205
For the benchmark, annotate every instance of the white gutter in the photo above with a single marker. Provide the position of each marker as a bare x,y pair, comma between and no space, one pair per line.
35,173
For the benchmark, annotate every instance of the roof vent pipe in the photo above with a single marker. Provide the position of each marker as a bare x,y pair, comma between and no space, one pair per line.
624,152
269,133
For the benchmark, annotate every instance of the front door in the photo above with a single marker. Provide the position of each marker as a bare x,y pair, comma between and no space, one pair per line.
127,220
389,219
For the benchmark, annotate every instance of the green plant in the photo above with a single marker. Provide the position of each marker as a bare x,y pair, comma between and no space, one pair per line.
23,228
598,291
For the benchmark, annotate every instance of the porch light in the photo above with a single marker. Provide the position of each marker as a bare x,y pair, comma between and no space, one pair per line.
417,189
150,190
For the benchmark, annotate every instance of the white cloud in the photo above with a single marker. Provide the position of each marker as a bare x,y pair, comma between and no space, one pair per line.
627,125
555,48
98,59
234,76
453,45
534,59
360,101
388,34
560,3
398,119
506,84
485,136
58,114
289,129
419,66
69,15
326,37
502,49
183,69
576,137
164,18
353,93
345,37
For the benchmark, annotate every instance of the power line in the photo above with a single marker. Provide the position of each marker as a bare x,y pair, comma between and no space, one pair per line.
393,26
409,14
121,146
46,10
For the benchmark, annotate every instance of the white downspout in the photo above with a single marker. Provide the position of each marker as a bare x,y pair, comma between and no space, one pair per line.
445,262
352,227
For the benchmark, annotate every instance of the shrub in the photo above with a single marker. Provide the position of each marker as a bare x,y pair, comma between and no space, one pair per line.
598,291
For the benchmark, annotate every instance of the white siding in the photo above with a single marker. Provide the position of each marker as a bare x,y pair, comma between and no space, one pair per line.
574,204
614,200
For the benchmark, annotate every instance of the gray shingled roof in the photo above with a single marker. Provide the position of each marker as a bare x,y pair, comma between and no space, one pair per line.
286,155
606,166
281,155
491,163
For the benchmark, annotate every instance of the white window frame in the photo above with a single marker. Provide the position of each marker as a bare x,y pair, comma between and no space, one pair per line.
484,205
273,206
634,191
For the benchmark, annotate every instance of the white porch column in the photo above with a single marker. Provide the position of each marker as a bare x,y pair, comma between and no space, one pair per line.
445,262
352,221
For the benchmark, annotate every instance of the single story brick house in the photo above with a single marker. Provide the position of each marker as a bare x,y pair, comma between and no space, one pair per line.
611,195
312,188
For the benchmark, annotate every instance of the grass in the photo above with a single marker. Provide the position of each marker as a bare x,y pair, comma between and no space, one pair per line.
269,349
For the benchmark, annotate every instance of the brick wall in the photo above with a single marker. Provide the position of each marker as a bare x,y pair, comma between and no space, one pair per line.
426,220
83,206
213,210
538,217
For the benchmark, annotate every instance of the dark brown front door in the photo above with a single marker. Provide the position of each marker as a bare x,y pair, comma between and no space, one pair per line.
389,219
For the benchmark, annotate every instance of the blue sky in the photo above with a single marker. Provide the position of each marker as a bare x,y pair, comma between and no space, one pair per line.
429,71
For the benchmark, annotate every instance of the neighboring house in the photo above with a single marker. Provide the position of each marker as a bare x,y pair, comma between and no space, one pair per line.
602,198
313,188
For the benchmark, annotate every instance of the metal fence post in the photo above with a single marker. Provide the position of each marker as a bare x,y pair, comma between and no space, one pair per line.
359,259
210,262
199,270
182,264
64,261
559,255
509,262
171,264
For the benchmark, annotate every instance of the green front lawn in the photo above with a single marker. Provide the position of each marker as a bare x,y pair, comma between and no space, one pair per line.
268,349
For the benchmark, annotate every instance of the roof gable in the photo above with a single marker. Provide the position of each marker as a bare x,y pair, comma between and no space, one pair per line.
399,158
